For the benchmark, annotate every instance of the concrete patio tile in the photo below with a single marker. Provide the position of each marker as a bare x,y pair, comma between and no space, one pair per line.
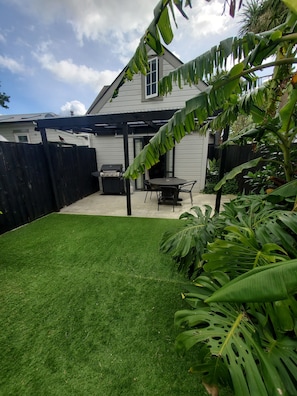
116,205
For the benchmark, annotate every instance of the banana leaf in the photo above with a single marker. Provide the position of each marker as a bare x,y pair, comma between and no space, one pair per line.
286,191
252,286
235,171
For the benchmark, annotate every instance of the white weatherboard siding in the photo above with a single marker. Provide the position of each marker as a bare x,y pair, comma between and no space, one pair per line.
190,154
130,97
190,159
109,149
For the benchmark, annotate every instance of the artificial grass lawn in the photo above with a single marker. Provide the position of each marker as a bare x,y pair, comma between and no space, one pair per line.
87,306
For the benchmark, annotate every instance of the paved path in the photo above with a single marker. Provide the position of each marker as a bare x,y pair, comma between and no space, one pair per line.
116,205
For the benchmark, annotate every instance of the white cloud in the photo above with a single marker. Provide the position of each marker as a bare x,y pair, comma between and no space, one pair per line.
121,23
92,19
12,65
205,28
75,107
67,71
118,23
206,19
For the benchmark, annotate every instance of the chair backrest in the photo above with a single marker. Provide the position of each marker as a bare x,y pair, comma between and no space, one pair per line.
189,185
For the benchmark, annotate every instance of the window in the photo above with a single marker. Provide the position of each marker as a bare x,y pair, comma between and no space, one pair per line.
151,79
21,136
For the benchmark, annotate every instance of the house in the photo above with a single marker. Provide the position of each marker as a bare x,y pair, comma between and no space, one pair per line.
187,160
21,128
139,106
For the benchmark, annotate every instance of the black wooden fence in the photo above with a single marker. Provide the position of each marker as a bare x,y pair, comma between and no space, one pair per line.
26,185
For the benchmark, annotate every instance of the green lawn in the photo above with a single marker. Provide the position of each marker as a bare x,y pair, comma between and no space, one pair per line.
87,307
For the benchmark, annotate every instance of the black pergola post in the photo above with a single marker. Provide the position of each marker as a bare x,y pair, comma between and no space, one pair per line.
125,127
222,168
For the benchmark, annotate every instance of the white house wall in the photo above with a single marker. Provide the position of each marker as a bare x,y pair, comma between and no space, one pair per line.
190,155
130,97
191,158
109,149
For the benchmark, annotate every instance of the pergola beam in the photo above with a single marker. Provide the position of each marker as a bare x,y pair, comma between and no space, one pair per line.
107,124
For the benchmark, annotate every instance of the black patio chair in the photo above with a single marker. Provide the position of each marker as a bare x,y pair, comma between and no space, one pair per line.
168,195
187,188
149,188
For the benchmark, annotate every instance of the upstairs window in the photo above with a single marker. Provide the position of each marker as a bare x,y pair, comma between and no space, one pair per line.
151,79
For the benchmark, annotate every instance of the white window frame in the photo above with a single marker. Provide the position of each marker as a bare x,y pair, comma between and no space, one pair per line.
152,79
18,134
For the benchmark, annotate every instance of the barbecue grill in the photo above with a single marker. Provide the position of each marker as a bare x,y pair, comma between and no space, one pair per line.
112,179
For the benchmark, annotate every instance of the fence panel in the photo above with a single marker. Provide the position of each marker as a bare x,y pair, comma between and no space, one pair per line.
26,191
72,169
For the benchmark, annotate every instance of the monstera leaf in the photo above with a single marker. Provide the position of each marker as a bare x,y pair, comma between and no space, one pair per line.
240,252
187,243
230,337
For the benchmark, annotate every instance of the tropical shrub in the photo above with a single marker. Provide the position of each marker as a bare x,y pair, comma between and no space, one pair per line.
243,315
198,228
271,107
271,175
212,179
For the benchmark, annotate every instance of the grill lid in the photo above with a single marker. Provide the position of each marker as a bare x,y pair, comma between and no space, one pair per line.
112,167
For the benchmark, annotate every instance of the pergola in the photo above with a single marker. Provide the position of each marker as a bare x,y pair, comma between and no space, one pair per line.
107,124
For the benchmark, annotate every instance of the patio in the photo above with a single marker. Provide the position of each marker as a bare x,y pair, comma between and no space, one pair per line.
116,205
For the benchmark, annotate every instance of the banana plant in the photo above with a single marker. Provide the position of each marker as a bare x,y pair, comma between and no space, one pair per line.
230,93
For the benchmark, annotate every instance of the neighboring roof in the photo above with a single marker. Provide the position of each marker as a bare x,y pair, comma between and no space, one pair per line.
26,117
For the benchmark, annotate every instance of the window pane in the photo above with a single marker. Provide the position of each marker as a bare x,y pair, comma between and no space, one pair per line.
151,80
23,138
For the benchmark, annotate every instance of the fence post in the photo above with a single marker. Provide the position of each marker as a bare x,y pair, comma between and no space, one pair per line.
50,168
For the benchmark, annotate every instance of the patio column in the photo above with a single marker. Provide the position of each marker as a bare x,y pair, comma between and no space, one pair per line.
222,169
125,128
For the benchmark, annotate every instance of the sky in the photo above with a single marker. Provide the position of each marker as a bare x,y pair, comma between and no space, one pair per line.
55,56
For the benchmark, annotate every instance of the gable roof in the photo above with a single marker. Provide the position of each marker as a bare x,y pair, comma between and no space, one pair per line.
107,92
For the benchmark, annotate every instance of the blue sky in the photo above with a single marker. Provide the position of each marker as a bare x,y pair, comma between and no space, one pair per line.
55,56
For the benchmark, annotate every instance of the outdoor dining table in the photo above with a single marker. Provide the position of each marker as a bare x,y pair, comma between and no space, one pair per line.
164,183
167,181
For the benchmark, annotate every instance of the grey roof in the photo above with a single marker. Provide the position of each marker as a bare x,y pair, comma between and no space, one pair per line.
26,117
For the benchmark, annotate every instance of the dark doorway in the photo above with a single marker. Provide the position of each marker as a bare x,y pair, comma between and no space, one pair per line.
164,168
